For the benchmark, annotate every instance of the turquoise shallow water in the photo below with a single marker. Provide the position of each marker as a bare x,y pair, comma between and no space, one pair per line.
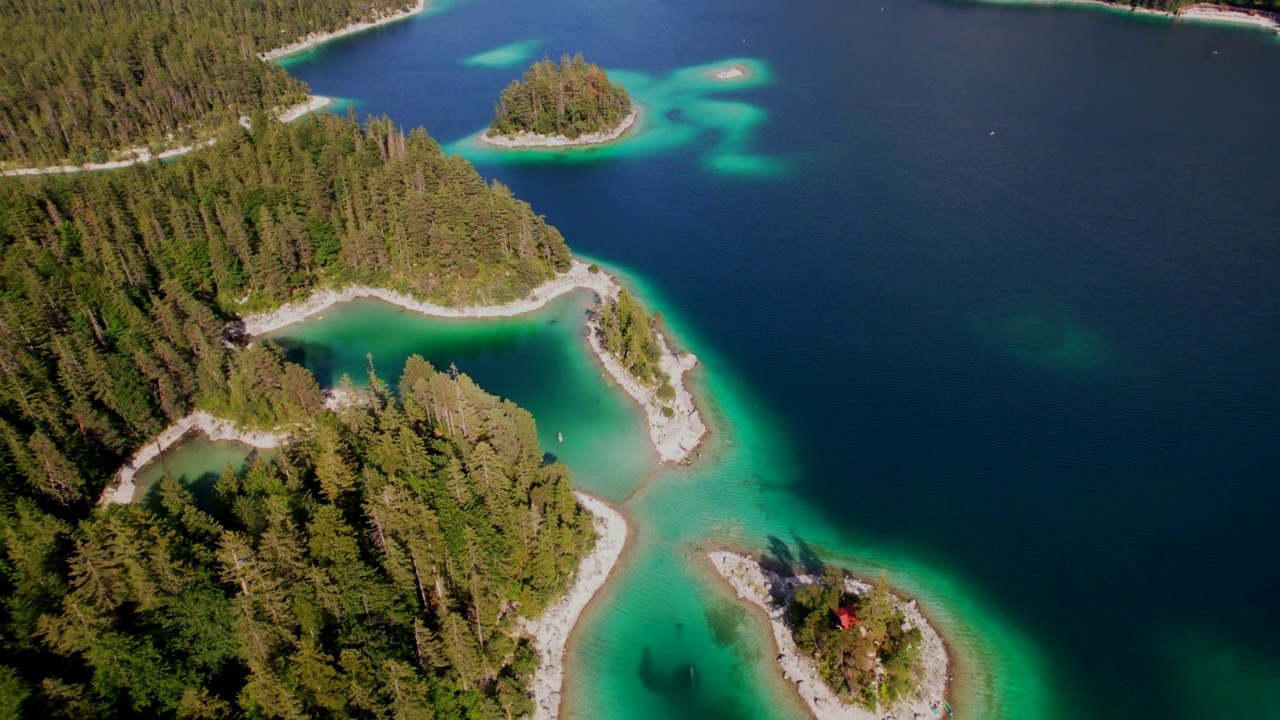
542,361
985,295
197,462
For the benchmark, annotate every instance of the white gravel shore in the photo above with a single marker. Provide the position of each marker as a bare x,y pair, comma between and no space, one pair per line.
216,428
674,437
772,593
537,140
1203,12
551,631
136,155
315,39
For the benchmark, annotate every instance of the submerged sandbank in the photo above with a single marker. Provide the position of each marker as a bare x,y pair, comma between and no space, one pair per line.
136,155
674,436
315,39
537,140
772,593
551,631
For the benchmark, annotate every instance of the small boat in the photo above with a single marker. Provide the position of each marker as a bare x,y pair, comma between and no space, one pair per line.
560,436
946,705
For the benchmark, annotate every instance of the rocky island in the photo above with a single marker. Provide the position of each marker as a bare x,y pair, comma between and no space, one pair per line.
854,649
572,104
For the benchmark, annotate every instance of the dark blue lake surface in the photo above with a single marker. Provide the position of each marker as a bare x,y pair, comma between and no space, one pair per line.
1011,288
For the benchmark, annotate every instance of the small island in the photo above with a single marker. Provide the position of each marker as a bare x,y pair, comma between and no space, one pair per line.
854,649
573,104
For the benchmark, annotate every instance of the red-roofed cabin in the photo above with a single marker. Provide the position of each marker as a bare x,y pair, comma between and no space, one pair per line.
847,617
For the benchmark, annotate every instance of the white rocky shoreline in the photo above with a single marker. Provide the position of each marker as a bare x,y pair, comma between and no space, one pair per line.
215,428
772,593
139,155
527,140
315,39
674,437
551,631
1201,12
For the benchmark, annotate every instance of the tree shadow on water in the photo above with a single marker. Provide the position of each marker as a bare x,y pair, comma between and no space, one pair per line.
780,558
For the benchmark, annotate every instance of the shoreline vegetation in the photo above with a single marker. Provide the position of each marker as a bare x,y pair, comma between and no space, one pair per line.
140,155
1199,12
88,81
535,140
551,631
314,39
215,428
560,106
674,436
773,594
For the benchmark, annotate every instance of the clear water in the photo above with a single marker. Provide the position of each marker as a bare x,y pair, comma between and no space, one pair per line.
197,462
542,361
985,295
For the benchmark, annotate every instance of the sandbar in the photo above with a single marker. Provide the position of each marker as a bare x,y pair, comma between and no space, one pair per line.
735,71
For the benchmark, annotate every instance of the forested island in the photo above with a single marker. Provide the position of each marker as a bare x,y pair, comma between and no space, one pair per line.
574,103
854,649
82,80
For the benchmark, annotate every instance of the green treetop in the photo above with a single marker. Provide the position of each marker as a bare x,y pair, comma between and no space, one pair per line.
571,100
81,79
377,570
628,333
873,663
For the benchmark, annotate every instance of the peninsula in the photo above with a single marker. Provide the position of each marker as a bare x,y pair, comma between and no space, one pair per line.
879,654
573,104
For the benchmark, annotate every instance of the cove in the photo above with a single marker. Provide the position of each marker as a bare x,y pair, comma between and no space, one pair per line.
1031,372
540,360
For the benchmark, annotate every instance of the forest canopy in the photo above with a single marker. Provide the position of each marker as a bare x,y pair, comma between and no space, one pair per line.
376,570
573,99
117,288
873,663
82,79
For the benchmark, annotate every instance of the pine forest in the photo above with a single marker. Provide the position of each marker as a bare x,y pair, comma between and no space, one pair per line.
83,79
377,567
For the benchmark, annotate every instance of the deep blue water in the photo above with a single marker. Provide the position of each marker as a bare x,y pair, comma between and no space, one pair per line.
1044,359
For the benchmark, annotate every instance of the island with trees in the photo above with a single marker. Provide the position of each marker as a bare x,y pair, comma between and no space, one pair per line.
854,649
572,104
